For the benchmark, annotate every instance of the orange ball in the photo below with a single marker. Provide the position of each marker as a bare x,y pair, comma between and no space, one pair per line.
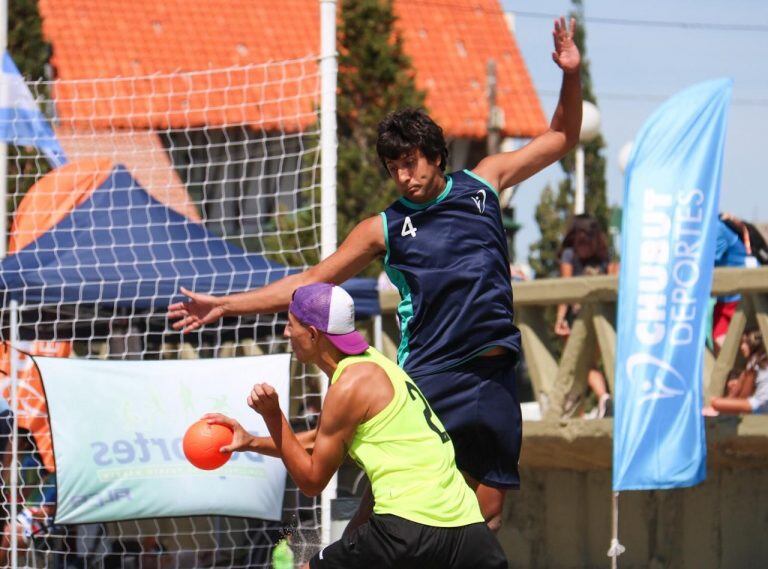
202,443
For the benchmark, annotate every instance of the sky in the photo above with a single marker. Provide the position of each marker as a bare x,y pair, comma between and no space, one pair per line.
636,65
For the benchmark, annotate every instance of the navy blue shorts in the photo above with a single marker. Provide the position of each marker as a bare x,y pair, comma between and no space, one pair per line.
477,404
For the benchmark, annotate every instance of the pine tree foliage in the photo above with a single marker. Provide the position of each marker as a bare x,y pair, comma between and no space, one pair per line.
375,77
595,199
543,253
26,45
551,216
31,53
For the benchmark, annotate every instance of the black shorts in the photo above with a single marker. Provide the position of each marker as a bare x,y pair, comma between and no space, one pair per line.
477,404
390,541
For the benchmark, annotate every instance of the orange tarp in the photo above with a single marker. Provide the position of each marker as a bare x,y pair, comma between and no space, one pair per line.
45,204
53,197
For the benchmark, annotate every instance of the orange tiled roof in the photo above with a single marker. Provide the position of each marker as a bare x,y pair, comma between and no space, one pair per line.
164,50
450,43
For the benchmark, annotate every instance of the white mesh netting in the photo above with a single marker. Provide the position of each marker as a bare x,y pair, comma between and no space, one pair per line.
208,180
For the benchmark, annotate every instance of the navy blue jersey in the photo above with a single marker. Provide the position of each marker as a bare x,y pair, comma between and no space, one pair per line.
449,260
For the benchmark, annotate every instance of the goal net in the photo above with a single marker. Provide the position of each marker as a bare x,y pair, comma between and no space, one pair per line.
209,180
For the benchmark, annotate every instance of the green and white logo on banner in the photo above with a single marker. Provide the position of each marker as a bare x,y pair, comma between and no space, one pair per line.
117,428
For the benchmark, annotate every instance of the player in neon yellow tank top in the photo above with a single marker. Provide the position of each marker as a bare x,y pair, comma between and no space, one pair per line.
408,456
425,514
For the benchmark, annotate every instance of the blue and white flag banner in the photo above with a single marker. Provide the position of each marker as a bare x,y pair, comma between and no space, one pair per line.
117,428
21,122
668,241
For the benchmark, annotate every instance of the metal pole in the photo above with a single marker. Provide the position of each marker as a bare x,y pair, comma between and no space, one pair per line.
14,482
494,113
3,145
328,144
378,333
615,528
328,140
578,200
616,548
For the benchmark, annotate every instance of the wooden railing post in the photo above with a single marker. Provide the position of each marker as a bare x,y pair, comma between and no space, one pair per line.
565,397
760,306
558,386
602,320
730,350
542,366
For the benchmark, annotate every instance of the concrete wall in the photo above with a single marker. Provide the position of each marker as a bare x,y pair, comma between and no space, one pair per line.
561,517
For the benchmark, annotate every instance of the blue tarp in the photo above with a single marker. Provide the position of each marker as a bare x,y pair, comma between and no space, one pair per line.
122,247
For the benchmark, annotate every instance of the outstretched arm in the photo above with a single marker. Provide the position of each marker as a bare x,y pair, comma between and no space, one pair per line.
731,406
510,168
364,244
342,413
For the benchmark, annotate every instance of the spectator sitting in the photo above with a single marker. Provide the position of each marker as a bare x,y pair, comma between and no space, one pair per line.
733,249
37,499
584,252
748,393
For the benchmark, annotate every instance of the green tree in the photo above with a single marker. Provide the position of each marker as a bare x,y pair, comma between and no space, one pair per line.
543,253
25,39
375,77
551,215
31,53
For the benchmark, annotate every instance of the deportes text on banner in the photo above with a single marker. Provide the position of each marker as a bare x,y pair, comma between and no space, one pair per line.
668,237
117,428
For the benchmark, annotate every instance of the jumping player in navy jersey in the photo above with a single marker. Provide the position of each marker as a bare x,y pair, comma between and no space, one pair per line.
443,246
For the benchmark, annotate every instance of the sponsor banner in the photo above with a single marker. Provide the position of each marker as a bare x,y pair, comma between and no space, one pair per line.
668,240
117,428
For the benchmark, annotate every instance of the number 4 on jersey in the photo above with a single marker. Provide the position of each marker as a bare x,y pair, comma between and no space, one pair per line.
408,228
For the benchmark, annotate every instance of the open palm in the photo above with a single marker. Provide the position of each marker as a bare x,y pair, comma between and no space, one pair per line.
199,310
566,54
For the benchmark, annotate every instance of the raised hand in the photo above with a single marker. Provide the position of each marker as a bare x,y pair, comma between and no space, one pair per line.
263,399
240,441
199,310
562,329
566,54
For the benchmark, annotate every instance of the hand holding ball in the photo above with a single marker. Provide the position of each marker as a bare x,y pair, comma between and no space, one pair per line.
202,443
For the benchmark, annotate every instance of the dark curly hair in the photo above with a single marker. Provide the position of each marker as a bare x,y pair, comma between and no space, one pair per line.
589,226
758,356
407,129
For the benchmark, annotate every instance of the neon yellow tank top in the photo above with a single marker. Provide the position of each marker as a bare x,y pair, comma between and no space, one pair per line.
409,457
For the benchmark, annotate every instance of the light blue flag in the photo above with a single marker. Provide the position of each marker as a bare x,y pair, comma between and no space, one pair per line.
668,241
21,121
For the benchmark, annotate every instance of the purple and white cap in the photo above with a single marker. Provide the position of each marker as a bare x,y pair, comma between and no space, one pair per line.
331,310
